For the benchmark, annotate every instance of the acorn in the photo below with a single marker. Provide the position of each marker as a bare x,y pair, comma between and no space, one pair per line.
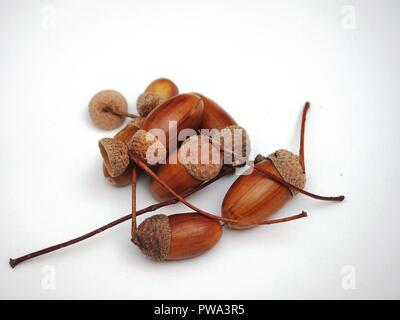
196,161
112,167
155,94
178,236
108,109
253,197
183,111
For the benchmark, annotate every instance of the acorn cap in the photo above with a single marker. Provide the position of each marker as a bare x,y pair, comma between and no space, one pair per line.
115,156
196,154
147,101
100,106
148,147
153,237
137,122
289,167
236,140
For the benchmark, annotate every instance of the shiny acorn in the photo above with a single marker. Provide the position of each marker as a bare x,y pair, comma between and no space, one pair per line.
253,197
156,93
183,111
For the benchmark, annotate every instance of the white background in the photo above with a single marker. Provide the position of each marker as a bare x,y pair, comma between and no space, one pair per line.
261,60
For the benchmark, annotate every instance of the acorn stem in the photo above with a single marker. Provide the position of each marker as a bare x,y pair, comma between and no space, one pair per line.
120,114
143,166
13,262
289,185
303,127
303,214
133,227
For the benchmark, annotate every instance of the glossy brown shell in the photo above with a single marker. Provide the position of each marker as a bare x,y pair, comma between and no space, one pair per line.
192,235
186,109
254,198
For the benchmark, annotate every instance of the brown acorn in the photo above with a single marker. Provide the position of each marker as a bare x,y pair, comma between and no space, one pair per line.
253,197
112,170
108,109
196,161
178,236
156,93
184,110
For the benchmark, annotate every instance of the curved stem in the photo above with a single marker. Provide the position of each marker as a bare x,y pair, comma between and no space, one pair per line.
143,166
303,127
289,185
13,262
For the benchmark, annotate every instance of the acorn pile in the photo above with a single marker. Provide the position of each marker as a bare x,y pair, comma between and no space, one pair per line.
185,142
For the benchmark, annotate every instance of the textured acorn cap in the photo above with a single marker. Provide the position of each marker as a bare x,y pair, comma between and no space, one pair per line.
115,156
147,101
289,167
236,140
148,147
202,160
137,122
107,100
153,237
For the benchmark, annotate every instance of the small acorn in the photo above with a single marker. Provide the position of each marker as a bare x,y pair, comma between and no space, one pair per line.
112,166
196,161
155,94
184,111
108,109
178,236
253,198
115,155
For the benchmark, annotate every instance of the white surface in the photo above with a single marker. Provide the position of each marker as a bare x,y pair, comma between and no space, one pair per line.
261,60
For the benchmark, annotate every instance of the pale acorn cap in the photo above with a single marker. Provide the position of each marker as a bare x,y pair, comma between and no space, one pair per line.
107,100
147,102
153,237
115,156
236,140
201,159
148,147
289,167
137,122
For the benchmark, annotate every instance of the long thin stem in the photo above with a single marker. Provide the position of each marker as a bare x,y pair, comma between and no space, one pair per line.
13,262
303,214
302,130
133,228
